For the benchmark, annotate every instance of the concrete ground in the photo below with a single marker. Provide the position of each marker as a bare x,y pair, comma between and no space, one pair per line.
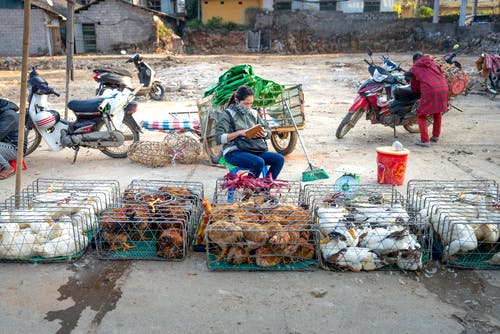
99,296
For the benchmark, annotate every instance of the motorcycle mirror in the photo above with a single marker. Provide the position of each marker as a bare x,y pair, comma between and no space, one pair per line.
369,51
123,52
456,46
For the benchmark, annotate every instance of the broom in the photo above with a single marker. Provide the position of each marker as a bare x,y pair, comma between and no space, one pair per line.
312,173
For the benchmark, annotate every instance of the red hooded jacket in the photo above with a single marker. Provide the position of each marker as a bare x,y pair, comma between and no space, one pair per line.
429,82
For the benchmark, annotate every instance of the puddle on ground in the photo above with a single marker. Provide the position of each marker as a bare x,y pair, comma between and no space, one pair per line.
468,290
93,285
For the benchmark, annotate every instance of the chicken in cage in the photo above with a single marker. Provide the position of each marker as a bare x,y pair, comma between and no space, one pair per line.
26,236
280,238
367,228
465,216
153,222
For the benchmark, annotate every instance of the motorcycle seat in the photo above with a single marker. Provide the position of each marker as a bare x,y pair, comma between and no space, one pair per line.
84,106
119,71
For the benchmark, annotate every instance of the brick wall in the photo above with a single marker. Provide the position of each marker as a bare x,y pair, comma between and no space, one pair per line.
117,24
11,37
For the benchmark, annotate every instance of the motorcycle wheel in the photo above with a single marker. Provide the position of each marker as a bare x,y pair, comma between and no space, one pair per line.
34,139
412,127
131,136
284,142
157,91
349,121
493,85
210,146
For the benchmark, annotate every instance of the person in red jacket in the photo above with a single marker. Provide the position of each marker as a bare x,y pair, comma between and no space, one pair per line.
429,82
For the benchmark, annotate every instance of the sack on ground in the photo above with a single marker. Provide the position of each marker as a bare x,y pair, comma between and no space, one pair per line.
245,144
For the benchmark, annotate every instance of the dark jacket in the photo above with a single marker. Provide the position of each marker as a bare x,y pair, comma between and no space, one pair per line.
9,123
241,121
429,82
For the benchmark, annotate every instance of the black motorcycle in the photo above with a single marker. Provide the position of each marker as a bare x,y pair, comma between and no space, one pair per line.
107,78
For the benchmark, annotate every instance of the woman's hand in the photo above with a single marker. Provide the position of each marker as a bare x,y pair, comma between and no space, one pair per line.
260,134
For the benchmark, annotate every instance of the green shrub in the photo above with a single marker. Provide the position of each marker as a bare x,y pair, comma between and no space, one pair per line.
194,23
215,22
424,11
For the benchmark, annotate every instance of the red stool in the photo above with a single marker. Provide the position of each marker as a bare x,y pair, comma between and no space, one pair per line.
13,164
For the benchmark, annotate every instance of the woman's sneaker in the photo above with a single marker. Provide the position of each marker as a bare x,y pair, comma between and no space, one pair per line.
434,139
423,144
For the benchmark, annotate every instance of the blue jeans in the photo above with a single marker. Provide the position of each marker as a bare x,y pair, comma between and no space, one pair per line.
256,162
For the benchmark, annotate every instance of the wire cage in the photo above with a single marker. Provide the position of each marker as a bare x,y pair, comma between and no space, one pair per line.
156,220
366,228
241,237
465,216
41,235
272,194
53,220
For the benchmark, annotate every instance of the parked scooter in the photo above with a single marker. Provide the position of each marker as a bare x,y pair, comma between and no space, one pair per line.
121,78
105,123
488,65
375,97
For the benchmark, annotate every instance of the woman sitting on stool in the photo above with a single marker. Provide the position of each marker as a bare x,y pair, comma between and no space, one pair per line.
240,113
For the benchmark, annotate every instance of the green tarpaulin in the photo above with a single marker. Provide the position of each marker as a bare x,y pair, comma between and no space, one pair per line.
266,91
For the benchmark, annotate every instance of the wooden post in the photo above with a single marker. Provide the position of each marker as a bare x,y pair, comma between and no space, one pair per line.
24,87
69,53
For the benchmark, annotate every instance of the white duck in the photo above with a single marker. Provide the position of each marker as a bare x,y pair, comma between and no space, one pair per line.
16,243
357,258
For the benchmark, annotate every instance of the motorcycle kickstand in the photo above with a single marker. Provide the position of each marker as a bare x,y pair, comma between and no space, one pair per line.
77,148
394,128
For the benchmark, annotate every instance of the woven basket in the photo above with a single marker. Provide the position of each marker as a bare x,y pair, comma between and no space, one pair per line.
149,153
182,148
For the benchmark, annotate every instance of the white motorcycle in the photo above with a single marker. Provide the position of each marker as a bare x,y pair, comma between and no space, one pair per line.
105,123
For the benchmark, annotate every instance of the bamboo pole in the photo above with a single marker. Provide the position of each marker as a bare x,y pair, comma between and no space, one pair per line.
24,88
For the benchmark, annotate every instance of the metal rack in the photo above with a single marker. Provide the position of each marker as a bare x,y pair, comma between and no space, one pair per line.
465,217
53,220
240,237
156,220
366,228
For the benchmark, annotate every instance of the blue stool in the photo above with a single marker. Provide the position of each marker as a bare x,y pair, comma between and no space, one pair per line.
232,169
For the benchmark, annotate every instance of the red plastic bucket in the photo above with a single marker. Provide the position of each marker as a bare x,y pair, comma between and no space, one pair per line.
391,165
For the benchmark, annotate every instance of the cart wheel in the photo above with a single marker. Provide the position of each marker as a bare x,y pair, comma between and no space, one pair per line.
284,142
211,148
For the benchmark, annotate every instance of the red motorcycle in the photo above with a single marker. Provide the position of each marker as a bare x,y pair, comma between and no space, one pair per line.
384,98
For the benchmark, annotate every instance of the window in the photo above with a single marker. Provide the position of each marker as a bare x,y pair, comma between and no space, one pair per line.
328,5
154,5
283,5
371,6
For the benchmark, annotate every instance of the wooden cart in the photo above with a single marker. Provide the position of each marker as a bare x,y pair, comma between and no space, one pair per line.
284,138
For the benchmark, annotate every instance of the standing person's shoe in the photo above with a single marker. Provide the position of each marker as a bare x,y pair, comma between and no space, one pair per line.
434,139
423,144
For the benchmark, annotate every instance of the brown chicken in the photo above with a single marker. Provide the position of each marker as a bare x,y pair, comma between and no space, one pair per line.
224,234
264,257
131,195
170,244
181,195
304,251
255,235
207,209
115,225
236,255
138,216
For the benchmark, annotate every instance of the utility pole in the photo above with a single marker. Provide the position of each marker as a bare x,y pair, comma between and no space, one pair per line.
69,53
